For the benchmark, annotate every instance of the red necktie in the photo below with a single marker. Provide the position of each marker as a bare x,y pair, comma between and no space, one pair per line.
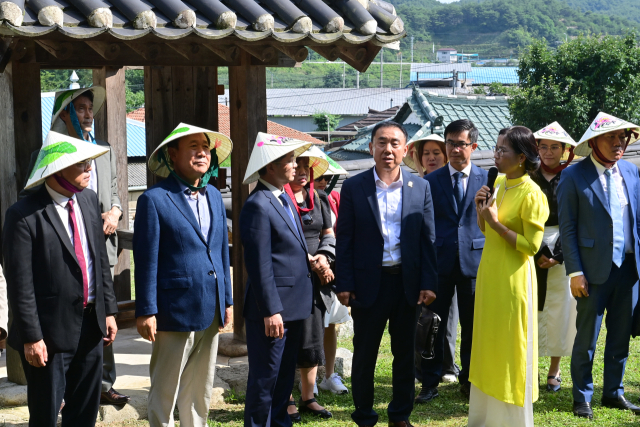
77,246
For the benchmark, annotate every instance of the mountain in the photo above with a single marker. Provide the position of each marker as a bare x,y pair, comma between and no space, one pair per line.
625,8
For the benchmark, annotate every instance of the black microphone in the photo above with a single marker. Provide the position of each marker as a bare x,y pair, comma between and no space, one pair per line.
491,179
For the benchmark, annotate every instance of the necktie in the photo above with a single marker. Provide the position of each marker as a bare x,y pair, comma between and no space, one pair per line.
285,205
616,217
458,192
77,246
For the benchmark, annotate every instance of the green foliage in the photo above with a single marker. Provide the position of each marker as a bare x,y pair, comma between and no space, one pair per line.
134,100
629,9
52,153
573,83
56,80
320,120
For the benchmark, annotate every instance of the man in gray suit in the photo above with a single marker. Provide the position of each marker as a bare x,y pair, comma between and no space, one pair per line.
72,115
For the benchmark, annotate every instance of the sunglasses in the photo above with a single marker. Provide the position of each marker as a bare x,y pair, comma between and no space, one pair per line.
324,178
306,219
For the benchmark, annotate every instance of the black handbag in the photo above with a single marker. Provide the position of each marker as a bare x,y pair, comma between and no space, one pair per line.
428,325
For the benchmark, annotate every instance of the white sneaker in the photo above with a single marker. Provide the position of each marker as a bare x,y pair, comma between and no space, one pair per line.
449,378
334,384
315,388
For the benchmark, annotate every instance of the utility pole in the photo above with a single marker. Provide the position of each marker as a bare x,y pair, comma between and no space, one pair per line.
357,79
328,129
271,79
455,81
344,73
400,70
381,65
412,49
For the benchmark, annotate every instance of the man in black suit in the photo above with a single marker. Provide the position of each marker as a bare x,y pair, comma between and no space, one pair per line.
59,285
385,267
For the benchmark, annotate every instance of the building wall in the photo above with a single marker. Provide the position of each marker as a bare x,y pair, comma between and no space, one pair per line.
447,56
305,123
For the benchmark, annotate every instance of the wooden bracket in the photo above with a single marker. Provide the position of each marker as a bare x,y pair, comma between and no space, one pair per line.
219,89
186,50
297,53
356,54
148,51
330,53
60,50
7,47
106,50
228,53
262,53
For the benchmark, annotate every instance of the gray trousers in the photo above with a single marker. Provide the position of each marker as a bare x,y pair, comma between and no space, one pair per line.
449,366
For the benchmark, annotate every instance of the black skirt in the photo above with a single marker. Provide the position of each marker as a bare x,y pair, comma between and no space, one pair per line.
311,352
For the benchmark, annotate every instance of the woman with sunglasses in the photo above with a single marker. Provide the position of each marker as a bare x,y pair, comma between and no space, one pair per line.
556,305
504,365
315,214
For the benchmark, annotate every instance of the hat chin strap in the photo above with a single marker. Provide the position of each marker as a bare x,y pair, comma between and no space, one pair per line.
601,157
561,167
66,184
204,180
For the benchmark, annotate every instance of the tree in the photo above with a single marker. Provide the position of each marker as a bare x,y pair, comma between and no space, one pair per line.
573,83
320,120
134,100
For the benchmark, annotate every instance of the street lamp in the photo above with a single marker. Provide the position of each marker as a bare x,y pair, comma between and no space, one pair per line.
328,129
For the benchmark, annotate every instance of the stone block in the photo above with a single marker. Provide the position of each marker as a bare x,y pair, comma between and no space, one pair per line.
344,359
235,376
220,391
345,330
230,347
12,394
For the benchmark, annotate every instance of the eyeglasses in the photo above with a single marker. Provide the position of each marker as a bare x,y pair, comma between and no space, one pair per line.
84,165
306,219
498,152
544,148
459,145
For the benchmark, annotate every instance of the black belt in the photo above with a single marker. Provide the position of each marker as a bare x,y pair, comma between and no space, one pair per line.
394,269
90,308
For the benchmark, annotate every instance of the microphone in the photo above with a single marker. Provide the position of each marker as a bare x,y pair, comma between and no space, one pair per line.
491,180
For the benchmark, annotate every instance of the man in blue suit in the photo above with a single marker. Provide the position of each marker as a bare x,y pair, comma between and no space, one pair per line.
183,285
598,208
459,242
385,267
279,288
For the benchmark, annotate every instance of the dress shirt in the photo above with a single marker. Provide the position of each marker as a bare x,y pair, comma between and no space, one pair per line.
464,179
60,202
390,206
93,180
277,194
623,196
200,207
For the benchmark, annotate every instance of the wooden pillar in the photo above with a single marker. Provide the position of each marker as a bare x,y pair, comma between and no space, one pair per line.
248,116
111,126
20,134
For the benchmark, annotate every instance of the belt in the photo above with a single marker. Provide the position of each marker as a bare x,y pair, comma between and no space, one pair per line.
90,308
394,269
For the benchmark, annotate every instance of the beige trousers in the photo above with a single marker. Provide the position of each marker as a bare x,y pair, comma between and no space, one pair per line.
182,368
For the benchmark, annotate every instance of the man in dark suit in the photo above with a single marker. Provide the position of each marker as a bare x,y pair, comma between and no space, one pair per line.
385,266
59,285
279,289
599,227
183,283
460,243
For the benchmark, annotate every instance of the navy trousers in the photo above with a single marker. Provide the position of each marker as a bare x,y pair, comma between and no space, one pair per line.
76,377
272,368
618,296
369,324
432,369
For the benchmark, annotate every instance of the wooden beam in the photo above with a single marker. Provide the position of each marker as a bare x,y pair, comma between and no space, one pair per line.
6,52
262,53
106,50
60,50
180,49
366,53
248,116
297,53
148,51
356,54
111,126
158,111
228,53
330,53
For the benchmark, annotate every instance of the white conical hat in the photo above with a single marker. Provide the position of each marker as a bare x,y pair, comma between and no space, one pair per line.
555,132
317,160
221,143
59,152
64,98
408,158
335,168
604,123
269,148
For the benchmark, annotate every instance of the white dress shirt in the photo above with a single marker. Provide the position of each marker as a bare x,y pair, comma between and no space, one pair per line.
390,206
60,202
464,179
93,180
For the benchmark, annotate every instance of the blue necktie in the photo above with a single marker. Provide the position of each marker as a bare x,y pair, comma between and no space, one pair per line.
285,205
458,193
616,217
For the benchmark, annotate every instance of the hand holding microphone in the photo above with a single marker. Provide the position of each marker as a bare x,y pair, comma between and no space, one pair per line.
484,194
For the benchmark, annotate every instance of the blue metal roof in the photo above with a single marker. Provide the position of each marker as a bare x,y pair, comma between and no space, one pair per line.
136,137
478,75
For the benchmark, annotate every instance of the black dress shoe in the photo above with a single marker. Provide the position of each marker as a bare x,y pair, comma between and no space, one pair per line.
582,409
465,389
427,395
112,397
400,424
303,406
620,402
295,417
553,388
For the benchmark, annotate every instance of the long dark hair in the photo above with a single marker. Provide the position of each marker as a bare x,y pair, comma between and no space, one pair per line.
522,141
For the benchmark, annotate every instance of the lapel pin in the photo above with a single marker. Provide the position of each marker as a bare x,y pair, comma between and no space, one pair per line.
410,183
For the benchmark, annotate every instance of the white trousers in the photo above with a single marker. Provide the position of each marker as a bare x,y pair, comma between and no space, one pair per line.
182,369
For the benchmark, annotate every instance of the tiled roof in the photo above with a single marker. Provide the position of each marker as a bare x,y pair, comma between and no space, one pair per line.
137,174
137,115
372,118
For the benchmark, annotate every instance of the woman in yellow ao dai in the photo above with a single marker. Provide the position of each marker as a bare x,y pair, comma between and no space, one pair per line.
503,370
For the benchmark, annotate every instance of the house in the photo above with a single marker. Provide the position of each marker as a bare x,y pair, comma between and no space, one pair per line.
427,75
425,112
447,54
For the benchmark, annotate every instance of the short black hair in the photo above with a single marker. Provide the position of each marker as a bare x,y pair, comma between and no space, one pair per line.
387,124
263,170
458,126
522,141
503,131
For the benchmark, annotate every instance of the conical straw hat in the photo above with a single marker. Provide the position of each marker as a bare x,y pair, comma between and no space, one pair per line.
64,98
221,143
59,152
604,123
555,132
408,159
335,168
269,148
317,160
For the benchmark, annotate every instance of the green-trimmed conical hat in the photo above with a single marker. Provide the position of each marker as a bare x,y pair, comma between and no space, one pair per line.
317,160
269,148
604,123
221,143
335,168
59,152
65,97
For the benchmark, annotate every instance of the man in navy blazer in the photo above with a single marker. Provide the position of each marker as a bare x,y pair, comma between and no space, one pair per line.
279,288
385,267
183,285
598,208
459,242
